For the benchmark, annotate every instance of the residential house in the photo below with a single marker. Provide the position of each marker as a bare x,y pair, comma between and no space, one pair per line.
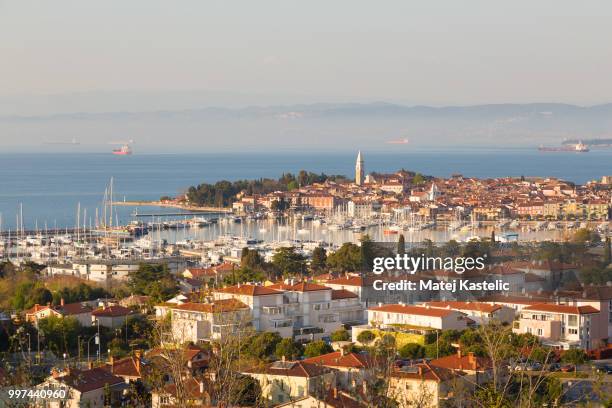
85,388
284,381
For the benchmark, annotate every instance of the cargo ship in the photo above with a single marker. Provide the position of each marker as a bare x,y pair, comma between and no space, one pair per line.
124,150
579,147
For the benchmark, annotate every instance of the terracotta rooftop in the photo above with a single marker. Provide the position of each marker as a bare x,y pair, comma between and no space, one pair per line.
460,361
424,372
568,309
456,305
218,306
343,294
337,359
249,290
299,287
89,380
413,310
291,369
112,311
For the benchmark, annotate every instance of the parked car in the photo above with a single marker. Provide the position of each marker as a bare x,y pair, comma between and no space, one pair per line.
566,368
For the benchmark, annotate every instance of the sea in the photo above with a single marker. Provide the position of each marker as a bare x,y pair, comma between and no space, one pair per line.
49,187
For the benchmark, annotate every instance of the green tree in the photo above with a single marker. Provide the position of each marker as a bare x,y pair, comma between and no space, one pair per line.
289,349
366,337
418,179
574,356
340,335
60,333
346,258
317,348
250,258
152,280
288,261
367,252
412,351
318,259
262,346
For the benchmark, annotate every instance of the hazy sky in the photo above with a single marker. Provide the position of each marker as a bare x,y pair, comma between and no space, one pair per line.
425,52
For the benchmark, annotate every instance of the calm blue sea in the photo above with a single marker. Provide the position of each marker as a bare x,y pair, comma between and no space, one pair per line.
49,186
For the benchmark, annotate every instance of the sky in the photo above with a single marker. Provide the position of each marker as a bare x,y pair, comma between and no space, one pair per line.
74,55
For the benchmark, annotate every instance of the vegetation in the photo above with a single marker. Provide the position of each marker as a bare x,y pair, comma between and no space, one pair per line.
152,280
223,193
288,261
340,335
289,349
317,348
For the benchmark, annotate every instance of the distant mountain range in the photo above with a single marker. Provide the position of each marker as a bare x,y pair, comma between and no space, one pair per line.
324,125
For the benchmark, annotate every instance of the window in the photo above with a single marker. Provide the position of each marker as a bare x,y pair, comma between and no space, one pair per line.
540,332
572,331
572,320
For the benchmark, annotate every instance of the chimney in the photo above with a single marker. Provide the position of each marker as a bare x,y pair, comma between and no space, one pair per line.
283,358
342,351
459,353
202,387
62,302
335,390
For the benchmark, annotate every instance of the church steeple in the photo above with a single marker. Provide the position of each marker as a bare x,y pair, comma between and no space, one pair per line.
359,169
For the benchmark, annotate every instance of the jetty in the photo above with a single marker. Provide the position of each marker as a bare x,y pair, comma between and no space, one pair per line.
184,207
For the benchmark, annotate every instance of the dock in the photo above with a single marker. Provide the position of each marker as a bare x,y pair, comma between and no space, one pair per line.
186,208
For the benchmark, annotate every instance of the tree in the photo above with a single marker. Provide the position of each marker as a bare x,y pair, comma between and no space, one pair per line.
412,351
319,258
317,348
262,346
366,337
401,245
288,261
250,258
608,251
574,356
367,252
346,258
289,349
152,280
418,179
340,335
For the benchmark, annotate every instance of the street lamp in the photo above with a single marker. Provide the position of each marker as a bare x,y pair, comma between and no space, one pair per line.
97,321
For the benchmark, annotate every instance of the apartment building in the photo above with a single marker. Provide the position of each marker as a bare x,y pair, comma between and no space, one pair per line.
561,326
198,322
268,308
416,316
480,312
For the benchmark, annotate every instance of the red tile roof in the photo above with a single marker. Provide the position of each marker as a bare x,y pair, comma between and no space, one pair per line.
567,309
112,311
424,372
413,310
343,294
337,359
218,306
249,290
291,369
89,380
300,287
463,362
456,305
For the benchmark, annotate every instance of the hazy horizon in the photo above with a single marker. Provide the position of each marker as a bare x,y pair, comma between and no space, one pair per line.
84,59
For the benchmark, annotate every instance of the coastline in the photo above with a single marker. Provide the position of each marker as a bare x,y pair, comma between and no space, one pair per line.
184,207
